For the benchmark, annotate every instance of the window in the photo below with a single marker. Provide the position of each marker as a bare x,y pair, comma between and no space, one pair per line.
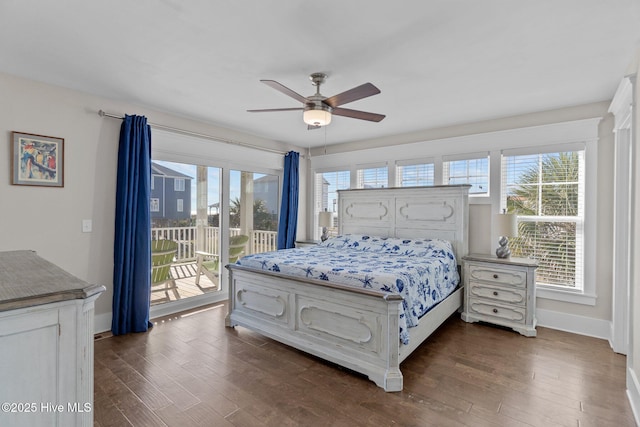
213,184
254,203
492,164
546,191
415,175
469,170
376,177
155,205
179,206
178,184
327,186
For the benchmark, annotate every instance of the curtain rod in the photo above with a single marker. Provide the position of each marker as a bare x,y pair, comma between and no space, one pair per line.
102,113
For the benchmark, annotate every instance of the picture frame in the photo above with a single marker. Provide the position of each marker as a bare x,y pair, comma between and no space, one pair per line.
37,160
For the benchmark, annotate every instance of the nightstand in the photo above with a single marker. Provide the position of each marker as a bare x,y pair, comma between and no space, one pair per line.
306,243
501,291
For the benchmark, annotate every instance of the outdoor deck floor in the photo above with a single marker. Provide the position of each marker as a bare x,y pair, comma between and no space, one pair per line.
185,275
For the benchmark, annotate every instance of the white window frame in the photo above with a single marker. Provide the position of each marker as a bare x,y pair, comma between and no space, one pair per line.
178,184
360,169
154,204
317,202
584,291
195,150
468,156
180,205
587,295
400,164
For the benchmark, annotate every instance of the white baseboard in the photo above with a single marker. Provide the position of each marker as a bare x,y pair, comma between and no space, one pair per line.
633,393
102,322
581,325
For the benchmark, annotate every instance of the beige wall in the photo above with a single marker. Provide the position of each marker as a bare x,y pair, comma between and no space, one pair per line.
48,220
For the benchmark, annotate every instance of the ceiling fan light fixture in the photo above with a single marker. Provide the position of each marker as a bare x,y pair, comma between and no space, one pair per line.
316,117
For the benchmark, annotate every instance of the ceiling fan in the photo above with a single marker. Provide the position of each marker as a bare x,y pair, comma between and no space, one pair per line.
318,109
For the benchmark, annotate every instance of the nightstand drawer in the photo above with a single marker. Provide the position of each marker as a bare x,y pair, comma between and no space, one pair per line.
498,275
511,314
500,291
509,295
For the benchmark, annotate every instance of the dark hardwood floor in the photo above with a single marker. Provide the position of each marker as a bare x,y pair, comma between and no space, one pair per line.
189,370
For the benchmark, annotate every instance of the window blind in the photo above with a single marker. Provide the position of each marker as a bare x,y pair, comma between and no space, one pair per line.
473,171
546,191
375,177
414,175
327,185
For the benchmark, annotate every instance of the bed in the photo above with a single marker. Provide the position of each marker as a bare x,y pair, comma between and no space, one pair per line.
358,327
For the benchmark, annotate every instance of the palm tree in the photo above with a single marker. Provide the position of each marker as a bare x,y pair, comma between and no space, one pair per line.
262,219
548,189
234,213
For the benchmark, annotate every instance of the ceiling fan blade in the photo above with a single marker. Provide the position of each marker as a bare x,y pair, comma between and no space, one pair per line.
266,110
356,114
351,95
312,127
281,88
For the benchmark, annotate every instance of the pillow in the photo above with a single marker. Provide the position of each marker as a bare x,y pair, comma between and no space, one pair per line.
417,247
391,245
360,242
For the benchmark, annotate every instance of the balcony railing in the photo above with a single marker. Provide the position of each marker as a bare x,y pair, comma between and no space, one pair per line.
187,238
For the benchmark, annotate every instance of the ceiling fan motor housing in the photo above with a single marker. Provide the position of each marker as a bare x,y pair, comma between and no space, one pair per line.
317,79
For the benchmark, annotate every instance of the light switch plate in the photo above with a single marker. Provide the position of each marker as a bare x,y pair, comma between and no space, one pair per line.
87,226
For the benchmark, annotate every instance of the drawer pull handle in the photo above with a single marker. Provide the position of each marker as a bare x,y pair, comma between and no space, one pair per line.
495,310
495,293
495,276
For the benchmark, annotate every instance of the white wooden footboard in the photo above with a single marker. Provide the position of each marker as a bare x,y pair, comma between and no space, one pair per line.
355,328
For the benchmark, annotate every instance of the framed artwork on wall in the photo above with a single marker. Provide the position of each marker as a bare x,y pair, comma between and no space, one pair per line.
37,160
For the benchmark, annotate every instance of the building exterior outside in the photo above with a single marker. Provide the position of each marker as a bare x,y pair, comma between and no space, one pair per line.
170,196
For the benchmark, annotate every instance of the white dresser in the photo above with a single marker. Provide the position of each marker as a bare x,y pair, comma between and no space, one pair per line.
501,291
46,343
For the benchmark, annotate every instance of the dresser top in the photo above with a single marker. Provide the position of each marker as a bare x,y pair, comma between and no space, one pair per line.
27,280
526,262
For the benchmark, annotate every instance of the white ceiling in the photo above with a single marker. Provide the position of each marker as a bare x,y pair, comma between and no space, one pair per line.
437,62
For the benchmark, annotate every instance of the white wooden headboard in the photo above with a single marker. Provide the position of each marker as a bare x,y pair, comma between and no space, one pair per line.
437,212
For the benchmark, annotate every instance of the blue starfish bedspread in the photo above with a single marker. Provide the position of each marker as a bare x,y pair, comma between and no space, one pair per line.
422,271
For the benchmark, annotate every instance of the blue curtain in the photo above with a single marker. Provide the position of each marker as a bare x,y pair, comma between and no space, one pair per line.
289,209
132,247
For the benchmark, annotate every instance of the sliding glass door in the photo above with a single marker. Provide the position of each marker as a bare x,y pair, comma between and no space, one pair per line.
187,209
185,212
